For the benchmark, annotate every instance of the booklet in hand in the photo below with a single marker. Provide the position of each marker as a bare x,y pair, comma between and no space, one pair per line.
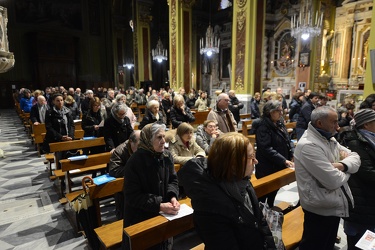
103,179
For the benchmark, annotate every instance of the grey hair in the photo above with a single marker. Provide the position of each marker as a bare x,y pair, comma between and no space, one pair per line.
153,97
119,96
119,106
321,113
270,106
155,127
221,96
152,103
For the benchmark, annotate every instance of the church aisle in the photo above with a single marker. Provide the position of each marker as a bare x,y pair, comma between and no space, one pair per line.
31,216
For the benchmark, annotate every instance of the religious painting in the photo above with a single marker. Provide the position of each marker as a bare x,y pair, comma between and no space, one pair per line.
285,46
67,13
304,59
225,61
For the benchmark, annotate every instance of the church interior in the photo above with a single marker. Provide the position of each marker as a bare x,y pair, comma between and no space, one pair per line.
257,44
213,45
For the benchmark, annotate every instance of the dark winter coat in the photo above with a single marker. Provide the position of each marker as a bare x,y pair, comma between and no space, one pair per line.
116,133
177,117
150,118
235,106
56,126
222,221
150,180
305,115
89,120
273,147
361,183
295,108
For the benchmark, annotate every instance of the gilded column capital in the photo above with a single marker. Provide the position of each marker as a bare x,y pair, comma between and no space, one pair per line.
187,3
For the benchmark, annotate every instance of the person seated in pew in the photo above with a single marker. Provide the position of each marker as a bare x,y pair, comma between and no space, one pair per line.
274,148
153,114
116,166
180,112
59,126
151,184
226,210
117,127
206,135
202,102
183,146
38,111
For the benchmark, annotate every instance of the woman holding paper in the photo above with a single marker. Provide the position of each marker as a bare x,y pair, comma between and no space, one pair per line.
151,184
226,211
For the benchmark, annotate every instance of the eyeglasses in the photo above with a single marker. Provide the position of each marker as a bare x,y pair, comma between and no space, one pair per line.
278,110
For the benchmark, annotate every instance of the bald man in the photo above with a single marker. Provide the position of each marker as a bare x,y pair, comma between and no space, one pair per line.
38,111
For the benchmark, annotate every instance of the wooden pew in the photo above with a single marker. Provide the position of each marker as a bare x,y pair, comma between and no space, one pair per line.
92,163
37,136
71,145
102,191
246,125
200,117
245,116
157,229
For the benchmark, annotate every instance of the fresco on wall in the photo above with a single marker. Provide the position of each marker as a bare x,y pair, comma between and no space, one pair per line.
67,13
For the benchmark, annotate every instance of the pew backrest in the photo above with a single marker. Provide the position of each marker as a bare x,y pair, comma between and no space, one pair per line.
76,144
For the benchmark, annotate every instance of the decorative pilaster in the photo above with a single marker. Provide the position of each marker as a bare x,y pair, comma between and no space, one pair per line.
180,35
142,51
244,45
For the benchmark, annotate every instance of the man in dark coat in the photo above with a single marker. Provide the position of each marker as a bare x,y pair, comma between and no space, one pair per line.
305,114
235,105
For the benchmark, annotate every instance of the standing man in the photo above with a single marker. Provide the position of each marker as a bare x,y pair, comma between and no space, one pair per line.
323,168
222,115
235,105
305,114
38,111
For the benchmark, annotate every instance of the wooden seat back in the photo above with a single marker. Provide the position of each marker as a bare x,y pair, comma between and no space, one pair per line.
245,116
246,126
38,130
76,144
92,160
291,125
200,117
102,191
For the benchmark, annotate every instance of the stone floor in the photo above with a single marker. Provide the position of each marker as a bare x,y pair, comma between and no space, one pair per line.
31,216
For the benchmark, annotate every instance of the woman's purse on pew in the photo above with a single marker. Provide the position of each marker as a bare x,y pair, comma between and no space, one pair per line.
275,221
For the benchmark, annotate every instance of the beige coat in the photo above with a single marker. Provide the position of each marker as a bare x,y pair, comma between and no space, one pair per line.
220,118
201,104
181,154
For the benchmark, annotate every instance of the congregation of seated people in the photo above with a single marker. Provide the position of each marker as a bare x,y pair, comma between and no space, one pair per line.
114,115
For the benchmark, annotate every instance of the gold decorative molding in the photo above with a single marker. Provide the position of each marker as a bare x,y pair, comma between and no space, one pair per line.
187,3
173,77
241,19
241,3
239,83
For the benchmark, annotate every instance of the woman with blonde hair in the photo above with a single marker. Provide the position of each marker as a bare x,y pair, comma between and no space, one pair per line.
180,112
183,146
223,198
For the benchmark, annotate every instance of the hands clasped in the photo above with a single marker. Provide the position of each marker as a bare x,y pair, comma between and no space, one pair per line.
170,207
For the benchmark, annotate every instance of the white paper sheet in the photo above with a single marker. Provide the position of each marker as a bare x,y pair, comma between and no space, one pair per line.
184,211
